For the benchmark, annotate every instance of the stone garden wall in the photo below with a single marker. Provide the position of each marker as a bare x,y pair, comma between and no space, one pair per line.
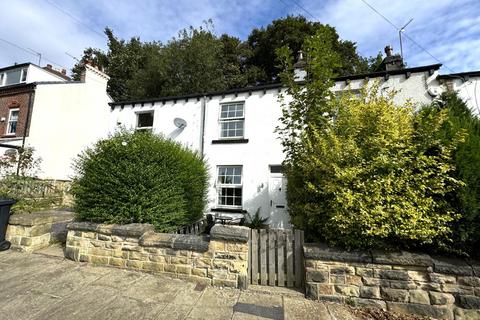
29,232
221,260
401,282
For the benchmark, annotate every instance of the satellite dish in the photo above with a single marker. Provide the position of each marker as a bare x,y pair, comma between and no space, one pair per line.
180,123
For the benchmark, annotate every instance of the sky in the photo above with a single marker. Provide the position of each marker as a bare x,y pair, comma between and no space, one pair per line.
442,31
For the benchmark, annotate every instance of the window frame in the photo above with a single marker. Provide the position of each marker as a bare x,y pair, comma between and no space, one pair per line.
222,121
7,133
220,186
137,115
24,73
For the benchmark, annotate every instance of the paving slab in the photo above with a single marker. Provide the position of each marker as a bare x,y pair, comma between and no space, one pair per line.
46,286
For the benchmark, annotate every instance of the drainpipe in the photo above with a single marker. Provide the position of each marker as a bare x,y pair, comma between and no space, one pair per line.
202,124
27,125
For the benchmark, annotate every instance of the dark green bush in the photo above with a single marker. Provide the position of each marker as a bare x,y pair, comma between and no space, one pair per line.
466,231
140,178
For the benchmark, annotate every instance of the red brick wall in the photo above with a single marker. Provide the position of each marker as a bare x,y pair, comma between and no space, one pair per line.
11,99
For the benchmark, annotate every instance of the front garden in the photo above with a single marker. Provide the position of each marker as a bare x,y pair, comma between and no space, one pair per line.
366,173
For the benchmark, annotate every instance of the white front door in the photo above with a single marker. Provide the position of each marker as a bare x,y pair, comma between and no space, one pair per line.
277,187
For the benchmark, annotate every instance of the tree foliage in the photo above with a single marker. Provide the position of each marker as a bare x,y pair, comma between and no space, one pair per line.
31,194
22,160
292,32
363,172
199,61
140,178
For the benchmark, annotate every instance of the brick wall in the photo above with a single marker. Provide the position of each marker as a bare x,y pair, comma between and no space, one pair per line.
221,260
14,98
402,282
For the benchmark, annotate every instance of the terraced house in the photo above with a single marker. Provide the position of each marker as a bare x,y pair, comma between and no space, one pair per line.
234,130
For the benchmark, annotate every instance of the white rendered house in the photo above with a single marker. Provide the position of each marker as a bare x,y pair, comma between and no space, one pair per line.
234,131
56,116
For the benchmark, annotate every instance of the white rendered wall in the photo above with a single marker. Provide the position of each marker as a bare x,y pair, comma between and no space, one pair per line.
413,88
164,114
66,118
35,74
469,91
262,111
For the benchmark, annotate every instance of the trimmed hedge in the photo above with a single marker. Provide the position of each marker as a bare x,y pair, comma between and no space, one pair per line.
139,177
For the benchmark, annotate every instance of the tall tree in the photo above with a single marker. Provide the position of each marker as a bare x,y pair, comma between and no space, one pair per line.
198,61
292,32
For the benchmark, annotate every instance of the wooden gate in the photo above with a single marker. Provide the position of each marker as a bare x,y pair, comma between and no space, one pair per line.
276,257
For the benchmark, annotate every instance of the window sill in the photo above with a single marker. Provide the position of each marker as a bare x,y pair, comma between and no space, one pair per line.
227,141
228,210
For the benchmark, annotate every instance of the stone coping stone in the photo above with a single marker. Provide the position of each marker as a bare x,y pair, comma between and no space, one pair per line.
133,230
448,265
175,241
230,233
190,242
38,218
403,258
320,251
153,239
439,264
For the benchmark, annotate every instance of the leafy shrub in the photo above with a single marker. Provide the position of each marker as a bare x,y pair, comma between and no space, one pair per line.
30,194
257,222
466,232
373,174
140,178
23,161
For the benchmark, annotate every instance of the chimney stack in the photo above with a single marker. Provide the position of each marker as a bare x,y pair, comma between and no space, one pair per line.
391,61
299,72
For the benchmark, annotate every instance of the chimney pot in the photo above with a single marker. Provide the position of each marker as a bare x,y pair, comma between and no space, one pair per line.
388,50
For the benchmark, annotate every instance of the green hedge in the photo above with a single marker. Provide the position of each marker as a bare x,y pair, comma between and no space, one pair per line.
466,231
139,177
374,175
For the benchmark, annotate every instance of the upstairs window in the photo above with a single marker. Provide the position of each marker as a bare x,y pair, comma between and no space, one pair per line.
229,185
145,121
13,77
12,121
232,119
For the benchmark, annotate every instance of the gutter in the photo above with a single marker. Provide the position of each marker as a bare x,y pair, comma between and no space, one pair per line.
27,127
10,146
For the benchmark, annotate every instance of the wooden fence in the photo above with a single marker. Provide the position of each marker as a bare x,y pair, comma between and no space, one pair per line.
276,257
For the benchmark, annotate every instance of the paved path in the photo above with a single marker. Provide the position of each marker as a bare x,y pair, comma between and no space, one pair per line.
40,286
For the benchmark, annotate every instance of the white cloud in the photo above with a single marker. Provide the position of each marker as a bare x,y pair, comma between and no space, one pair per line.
450,30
